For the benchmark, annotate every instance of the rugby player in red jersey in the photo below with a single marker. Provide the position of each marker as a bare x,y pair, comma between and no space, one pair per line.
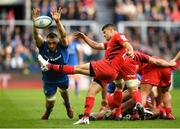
153,75
140,59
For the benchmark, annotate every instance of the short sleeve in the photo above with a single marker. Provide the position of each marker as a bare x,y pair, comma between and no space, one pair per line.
105,45
141,57
121,38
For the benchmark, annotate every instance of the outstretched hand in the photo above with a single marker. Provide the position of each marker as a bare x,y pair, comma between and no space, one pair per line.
172,63
56,14
78,35
35,13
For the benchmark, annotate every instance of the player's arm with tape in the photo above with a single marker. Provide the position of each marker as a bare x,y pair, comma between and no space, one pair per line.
38,38
90,42
56,15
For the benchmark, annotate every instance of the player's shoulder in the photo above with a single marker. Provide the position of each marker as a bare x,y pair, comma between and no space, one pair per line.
121,36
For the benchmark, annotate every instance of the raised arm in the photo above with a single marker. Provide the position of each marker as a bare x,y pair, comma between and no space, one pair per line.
56,15
90,42
176,58
37,37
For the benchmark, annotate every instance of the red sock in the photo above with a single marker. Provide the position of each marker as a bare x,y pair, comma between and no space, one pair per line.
136,95
89,103
161,109
117,98
168,110
118,111
63,69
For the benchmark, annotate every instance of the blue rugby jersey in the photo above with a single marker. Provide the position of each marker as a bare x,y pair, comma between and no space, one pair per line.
73,54
60,56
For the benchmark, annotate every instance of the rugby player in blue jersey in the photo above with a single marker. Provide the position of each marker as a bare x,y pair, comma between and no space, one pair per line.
54,49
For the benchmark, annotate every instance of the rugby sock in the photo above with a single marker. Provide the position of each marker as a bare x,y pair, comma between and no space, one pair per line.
117,97
168,110
89,103
62,68
49,106
118,111
136,95
67,105
162,111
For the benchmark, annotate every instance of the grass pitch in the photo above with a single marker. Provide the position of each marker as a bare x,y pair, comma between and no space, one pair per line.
23,109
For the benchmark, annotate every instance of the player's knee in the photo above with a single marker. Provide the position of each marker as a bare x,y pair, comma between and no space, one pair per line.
62,90
51,98
119,83
132,83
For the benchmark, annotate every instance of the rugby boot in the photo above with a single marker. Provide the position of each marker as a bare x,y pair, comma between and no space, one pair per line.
83,120
45,116
140,109
69,110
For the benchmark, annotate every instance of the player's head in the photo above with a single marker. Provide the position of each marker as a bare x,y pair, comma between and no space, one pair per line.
52,41
109,30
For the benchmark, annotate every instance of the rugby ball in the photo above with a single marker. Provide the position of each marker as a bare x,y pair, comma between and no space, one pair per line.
42,22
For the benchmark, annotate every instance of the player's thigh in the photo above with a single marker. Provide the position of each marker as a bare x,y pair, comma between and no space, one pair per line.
129,74
49,89
146,88
63,86
103,70
165,77
151,76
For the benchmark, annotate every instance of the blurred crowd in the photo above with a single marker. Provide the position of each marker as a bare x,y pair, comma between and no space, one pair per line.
160,41
18,51
72,9
147,10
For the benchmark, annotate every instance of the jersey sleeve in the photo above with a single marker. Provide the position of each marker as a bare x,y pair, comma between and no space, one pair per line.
121,38
105,45
141,57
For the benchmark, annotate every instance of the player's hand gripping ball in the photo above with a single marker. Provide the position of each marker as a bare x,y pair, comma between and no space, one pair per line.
42,22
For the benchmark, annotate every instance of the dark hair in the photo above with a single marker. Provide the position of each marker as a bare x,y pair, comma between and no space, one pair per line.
52,35
108,26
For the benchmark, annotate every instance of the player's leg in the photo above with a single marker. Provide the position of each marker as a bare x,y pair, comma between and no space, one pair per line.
63,88
49,92
132,85
166,95
145,91
167,101
129,74
94,88
118,97
66,69
102,69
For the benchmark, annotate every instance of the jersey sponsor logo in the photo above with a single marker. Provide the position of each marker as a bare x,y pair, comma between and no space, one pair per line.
123,37
146,80
52,59
131,75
